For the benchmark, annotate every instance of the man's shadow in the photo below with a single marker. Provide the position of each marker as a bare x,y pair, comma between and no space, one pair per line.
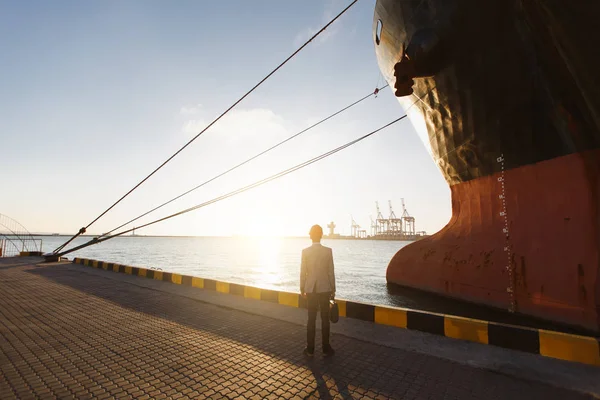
327,367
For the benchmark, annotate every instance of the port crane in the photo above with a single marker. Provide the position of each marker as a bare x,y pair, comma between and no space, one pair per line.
394,223
381,222
409,222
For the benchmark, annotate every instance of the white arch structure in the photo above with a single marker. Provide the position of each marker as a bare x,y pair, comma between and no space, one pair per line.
15,238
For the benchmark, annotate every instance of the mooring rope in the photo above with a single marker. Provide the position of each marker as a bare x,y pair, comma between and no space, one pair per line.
377,90
238,191
84,229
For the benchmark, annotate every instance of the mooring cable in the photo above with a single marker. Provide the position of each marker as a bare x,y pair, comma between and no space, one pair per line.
237,191
377,90
84,229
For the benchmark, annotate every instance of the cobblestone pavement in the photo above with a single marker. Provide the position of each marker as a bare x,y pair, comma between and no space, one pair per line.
66,334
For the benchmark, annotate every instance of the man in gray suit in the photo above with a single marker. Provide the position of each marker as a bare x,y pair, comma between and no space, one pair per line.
317,285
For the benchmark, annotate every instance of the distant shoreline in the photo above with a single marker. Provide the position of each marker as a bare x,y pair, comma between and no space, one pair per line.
325,238
169,236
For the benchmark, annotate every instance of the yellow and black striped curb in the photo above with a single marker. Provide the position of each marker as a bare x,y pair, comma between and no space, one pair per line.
564,346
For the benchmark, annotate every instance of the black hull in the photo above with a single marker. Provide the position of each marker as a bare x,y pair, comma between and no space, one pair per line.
512,77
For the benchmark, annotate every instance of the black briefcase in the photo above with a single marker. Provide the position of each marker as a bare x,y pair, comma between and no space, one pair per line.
334,312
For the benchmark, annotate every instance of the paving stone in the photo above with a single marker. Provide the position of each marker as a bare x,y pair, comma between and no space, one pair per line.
67,333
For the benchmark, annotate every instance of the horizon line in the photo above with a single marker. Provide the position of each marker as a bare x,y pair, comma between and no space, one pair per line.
339,236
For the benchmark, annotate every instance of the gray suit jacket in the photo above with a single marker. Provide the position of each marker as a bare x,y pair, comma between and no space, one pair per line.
316,271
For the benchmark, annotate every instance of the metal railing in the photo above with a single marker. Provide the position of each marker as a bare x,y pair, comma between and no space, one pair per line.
11,246
14,238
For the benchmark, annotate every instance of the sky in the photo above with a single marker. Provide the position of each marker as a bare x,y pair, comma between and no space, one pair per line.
96,95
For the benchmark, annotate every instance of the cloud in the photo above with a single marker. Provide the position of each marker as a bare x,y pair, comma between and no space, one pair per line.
193,126
242,125
330,11
191,110
307,33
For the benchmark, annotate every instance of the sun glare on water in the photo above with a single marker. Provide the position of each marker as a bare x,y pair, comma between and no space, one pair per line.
265,235
270,267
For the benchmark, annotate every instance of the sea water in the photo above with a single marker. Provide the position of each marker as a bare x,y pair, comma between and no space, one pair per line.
272,263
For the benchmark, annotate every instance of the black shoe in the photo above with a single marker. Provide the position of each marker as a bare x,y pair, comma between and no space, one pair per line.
308,352
328,352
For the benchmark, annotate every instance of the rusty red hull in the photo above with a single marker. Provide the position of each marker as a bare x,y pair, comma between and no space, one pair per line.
550,269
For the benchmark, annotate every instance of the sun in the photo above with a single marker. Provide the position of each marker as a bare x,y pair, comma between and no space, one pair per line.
264,225
268,227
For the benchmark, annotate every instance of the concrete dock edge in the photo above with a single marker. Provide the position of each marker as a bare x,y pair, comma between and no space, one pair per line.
569,347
